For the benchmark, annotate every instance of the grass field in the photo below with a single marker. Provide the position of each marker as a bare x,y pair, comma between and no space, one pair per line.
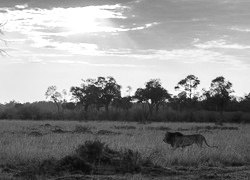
28,141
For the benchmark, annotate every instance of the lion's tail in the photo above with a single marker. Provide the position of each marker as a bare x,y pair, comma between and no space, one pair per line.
209,145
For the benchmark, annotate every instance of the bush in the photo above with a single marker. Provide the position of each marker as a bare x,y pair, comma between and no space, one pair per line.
74,163
91,151
93,157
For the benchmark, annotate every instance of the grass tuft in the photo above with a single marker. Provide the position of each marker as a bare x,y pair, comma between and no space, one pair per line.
82,129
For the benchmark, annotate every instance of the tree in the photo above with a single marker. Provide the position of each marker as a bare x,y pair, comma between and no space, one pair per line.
108,89
100,92
153,95
123,103
129,89
247,97
189,84
87,94
219,93
55,96
180,101
245,103
220,90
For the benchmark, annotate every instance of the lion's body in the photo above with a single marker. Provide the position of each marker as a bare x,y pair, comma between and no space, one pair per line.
179,140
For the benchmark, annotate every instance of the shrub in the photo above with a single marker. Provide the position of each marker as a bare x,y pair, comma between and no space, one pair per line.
91,151
93,157
74,163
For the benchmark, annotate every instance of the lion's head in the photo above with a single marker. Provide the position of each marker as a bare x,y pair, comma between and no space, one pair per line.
170,137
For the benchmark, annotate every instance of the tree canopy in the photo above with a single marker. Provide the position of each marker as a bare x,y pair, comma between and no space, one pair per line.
99,92
219,92
153,94
189,84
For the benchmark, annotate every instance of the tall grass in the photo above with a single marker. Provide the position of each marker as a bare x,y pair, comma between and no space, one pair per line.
18,146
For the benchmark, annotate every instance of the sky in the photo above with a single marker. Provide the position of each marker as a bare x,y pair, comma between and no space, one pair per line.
61,42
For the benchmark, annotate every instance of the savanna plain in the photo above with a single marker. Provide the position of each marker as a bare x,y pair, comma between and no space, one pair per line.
120,150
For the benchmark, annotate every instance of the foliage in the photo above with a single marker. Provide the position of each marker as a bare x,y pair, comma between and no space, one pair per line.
153,95
219,93
189,84
55,96
122,102
47,110
87,94
100,99
99,92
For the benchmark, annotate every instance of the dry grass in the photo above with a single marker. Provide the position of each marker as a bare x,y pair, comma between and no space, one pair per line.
18,145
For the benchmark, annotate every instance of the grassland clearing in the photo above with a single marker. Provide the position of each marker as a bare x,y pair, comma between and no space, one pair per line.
32,142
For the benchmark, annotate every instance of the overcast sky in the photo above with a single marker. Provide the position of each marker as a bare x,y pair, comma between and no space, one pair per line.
60,42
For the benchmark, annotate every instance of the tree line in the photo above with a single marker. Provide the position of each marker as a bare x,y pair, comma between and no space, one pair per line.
101,99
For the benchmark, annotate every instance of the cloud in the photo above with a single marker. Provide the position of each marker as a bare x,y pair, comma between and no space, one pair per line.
240,29
60,17
188,56
221,44
23,6
90,19
42,26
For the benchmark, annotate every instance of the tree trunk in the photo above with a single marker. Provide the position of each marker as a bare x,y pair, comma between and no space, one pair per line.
107,109
86,107
150,107
58,107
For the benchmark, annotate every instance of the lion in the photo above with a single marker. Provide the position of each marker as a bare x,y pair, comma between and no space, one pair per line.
178,139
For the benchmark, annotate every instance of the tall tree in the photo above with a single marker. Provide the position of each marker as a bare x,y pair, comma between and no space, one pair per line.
219,92
189,84
55,96
153,95
109,90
